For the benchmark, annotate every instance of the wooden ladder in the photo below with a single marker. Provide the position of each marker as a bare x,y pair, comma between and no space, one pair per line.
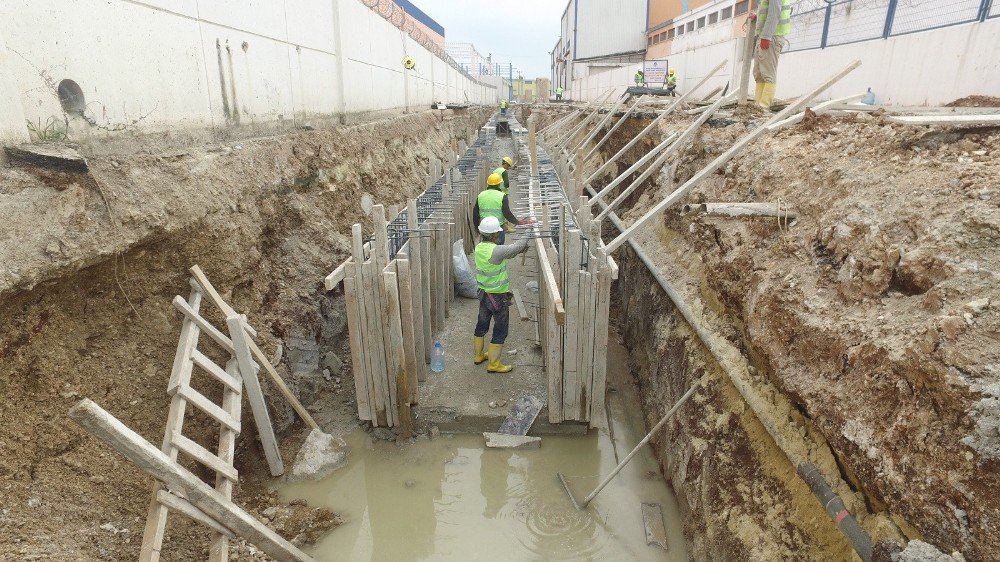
240,372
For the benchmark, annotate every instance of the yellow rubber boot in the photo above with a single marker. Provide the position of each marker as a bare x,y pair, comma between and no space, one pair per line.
477,344
495,366
757,94
767,95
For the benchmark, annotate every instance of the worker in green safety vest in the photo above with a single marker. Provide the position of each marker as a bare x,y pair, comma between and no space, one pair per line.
774,21
672,83
505,164
559,92
640,78
494,202
494,293
503,106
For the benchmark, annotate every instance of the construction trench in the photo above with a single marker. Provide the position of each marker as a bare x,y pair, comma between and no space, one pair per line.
842,350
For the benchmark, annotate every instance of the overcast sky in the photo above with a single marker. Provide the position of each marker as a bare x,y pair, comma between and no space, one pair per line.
520,31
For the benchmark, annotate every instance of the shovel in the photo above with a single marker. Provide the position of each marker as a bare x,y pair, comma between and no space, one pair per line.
621,465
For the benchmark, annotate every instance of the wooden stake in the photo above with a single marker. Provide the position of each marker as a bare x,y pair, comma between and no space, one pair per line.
248,370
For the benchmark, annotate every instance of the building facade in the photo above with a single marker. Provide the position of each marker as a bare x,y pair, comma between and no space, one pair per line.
595,37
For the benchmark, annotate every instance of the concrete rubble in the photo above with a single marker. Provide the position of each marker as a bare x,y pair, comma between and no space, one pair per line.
319,456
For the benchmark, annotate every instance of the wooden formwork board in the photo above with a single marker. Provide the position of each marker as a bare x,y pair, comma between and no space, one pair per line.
407,321
602,311
425,282
554,347
398,376
386,314
358,360
375,346
571,367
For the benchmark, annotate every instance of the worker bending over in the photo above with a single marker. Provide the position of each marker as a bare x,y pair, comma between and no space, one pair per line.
671,83
774,21
494,202
505,165
494,293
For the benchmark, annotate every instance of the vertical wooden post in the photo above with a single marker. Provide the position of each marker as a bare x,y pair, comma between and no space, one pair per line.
255,395
399,380
417,266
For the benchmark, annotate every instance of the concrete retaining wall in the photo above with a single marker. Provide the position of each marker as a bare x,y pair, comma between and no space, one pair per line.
165,64
925,68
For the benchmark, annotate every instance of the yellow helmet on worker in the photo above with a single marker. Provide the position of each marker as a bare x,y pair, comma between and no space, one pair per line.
494,179
508,161
671,72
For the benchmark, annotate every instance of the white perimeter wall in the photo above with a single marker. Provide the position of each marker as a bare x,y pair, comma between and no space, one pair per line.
924,68
161,64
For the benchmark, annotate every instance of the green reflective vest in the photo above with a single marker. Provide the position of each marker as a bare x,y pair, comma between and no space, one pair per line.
559,90
503,104
491,204
490,278
671,80
784,24
503,186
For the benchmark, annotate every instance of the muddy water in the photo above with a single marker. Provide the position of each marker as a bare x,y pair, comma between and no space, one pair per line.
449,499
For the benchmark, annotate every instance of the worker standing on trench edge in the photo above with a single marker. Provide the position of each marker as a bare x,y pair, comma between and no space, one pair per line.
503,106
505,164
494,202
494,293
672,83
559,92
774,21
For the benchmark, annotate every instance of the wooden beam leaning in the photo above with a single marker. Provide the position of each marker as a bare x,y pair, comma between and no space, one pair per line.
604,121
611,131
261,418
562,140
255,350
151,460
611,161
728,155
634,167
748,47
677,145
797,118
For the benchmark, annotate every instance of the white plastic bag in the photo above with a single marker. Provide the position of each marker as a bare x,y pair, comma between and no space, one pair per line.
465,279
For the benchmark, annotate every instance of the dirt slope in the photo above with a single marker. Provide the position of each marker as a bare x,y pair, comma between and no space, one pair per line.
90,264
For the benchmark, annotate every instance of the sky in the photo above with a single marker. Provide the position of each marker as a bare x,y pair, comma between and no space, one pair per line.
520,31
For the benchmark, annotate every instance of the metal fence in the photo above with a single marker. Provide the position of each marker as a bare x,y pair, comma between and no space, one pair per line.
817,24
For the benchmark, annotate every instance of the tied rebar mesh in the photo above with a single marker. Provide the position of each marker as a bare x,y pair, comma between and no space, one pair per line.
397,16
819,24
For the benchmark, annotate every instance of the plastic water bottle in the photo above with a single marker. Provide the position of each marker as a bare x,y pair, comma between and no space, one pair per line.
437,358
869,98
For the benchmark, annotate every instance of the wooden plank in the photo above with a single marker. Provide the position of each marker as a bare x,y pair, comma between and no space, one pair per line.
364,339
723,158
614,128
354,327
180,371
254,394
652,521
427,303
945,119
553,351
653,152
216,371
748,45
185,507
211,409
407,323
335,277
584,348
521,311
404,417
415,259
204,456
373,341
392,360
151,460
571,367
218,549
381,247
597,128
600,350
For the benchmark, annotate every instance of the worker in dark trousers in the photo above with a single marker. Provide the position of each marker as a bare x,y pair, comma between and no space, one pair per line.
503,106
672,83
505,165
494,293
494,202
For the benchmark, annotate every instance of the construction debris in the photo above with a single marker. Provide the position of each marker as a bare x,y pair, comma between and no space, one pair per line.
652,522
319,456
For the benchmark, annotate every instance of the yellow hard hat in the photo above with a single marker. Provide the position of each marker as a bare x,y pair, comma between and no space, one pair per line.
494,179
671,71
508,161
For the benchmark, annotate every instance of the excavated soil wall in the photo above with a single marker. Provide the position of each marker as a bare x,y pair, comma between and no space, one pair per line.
90,264
869,324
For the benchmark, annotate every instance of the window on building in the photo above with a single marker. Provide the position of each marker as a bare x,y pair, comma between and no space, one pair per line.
663,36
690,26
649,41
680,30
701,22
742,7
713,18
727,13
670,33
